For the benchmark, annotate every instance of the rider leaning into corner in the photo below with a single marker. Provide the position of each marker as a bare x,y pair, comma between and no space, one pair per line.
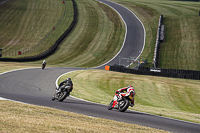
123,91
67,82
44,62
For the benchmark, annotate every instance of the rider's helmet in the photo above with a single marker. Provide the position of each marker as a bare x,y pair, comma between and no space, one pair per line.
132,93
69,79
130,86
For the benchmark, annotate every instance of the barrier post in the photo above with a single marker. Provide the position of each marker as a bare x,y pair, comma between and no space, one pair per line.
107,67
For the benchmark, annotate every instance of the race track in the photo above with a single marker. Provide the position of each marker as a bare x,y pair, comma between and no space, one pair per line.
36,86
135,35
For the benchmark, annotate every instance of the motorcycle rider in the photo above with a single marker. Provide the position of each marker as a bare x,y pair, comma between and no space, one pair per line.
124,90
67,82
44,62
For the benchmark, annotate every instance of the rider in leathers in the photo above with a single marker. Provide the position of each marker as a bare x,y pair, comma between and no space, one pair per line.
67,82
124,90
44,62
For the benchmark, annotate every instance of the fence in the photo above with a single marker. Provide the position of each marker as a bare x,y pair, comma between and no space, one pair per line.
52,49
173,73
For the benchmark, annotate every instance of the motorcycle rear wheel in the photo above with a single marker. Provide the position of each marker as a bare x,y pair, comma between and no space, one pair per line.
124,105
43,66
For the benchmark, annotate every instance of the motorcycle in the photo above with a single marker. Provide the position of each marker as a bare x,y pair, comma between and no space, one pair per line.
123,101
61,93
43,65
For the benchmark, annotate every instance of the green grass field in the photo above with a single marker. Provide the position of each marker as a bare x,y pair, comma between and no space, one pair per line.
27,26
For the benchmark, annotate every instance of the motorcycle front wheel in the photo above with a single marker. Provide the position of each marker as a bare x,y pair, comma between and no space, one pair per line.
110,105
62,96
123,105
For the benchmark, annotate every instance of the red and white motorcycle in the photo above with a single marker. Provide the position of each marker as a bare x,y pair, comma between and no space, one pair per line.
122,100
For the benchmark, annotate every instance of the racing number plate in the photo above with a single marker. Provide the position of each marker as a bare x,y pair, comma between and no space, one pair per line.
131,97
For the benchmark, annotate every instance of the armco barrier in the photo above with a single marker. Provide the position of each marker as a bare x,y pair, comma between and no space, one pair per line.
53,48
173,73
158,40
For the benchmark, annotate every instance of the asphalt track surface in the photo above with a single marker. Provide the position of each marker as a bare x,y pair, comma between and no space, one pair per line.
36,86
135,35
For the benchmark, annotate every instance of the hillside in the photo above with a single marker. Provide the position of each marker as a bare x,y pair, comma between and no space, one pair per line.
97,37
181,46
32,26
87,44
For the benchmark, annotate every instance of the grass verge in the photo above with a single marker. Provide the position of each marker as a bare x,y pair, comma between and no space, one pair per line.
18,117
9,66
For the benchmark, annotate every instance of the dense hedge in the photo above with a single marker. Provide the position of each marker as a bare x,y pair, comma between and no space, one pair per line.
53,48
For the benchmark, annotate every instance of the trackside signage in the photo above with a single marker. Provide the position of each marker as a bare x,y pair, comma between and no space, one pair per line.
155,69
174,73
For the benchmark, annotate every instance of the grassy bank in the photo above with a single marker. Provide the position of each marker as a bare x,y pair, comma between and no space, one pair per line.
9,66
175,98
18,117
98,36
181,47
27,26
